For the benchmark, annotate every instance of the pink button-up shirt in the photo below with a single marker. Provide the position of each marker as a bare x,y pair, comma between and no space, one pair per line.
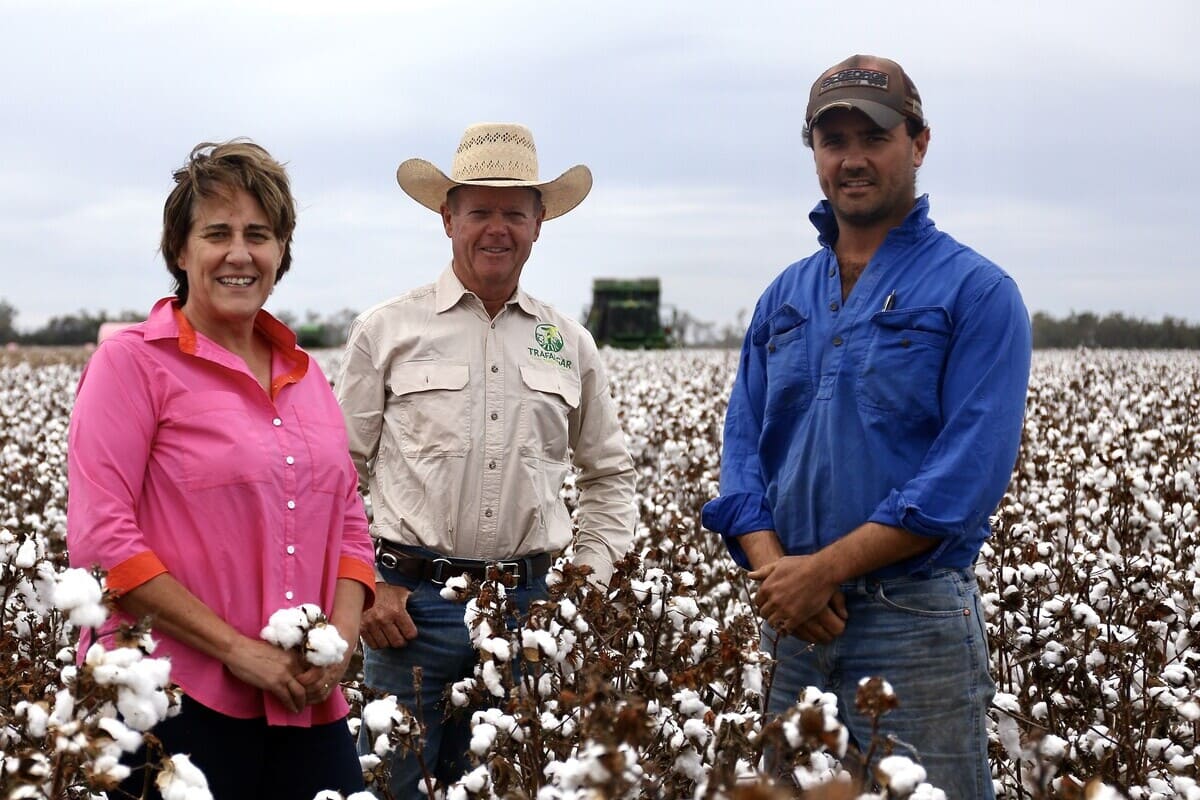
179,462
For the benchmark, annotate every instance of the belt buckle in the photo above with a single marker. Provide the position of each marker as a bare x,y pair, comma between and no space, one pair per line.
385,556
439,574
509,571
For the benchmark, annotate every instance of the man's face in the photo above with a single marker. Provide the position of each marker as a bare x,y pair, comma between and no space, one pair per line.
492,231
868,174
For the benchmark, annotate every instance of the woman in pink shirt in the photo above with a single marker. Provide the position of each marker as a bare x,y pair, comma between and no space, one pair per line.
210,477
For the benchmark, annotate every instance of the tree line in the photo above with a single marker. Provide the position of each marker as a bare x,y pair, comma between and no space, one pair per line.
1077,329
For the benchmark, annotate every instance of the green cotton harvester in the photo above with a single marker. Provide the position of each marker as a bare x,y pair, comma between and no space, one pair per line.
625,313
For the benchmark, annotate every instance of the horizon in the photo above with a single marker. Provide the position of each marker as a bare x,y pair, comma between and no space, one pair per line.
688,115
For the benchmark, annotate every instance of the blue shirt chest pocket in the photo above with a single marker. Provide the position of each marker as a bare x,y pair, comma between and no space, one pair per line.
902,371
783,337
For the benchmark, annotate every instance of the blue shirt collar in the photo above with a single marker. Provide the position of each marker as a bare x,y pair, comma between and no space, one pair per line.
916,221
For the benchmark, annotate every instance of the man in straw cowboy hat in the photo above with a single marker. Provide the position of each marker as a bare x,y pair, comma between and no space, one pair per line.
871,431
467,401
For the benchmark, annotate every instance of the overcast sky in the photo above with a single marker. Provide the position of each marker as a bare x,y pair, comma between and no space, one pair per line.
1064,139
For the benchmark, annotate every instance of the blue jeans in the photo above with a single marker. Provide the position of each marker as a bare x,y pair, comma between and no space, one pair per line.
924,636
444,653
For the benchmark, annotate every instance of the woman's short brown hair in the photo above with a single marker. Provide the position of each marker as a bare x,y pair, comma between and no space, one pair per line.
215,169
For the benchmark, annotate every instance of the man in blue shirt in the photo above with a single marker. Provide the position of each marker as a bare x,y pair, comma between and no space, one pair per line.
871,431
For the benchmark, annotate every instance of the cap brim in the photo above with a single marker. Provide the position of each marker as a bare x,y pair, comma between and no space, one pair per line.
883,116
428,185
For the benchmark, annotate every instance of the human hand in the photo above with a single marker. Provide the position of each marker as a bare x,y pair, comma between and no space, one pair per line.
795,595
826,625
270,668
387,623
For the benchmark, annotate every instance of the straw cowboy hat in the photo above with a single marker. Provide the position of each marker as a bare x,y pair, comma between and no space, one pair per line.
494,154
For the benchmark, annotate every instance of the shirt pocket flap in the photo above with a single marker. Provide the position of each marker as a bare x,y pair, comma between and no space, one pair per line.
424,376
782,320
552,381
930,319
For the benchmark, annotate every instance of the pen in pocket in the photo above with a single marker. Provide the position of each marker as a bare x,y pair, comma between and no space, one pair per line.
890,301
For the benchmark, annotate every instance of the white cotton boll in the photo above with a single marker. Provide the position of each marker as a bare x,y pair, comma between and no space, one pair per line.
538,641
285,628
690,764
476,780
360,796
328,794
1152,508
324,646
482,737
382,746
567,609
499,647
455,588
147,675
696,730
492,679
110,766
139,711
379,715
899,774
682,609
127,739
1085,615
180,779
27,554
752,679
1189,710
36,718
64,707
78,593
690,703
1053,747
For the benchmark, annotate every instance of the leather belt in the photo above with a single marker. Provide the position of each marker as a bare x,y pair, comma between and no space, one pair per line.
441,568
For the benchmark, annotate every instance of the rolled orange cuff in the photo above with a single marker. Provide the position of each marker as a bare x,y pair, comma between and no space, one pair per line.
134,571
359,571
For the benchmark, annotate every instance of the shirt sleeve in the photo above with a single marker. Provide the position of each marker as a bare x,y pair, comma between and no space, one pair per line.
361,393
357,560
742,506
966,471
112,428
606,480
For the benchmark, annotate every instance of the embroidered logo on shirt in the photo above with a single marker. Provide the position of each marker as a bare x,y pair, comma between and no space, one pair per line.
550,341
548,337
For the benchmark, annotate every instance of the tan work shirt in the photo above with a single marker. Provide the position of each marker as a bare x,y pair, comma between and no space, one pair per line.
463,428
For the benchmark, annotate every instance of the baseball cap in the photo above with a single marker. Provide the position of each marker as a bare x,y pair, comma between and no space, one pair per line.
878,87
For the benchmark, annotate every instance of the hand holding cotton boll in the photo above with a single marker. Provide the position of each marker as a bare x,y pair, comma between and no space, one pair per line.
305,630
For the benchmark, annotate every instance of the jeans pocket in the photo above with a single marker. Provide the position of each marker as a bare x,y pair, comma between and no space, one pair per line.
936,597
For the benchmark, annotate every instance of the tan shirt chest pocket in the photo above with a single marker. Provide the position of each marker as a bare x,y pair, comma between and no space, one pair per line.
429,408
550,395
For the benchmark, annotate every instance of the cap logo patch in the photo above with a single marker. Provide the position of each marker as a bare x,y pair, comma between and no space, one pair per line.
855,77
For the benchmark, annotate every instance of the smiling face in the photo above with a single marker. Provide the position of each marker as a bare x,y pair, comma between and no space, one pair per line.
868,174
231,258
492,231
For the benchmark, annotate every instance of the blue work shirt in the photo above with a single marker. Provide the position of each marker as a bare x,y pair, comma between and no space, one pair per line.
902,406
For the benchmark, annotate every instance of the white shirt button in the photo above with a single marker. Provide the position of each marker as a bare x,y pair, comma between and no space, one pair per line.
487,513
291,503
277,422
290,460
291,549
288,595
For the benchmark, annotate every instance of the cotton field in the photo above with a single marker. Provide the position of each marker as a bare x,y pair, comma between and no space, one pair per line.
652,690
